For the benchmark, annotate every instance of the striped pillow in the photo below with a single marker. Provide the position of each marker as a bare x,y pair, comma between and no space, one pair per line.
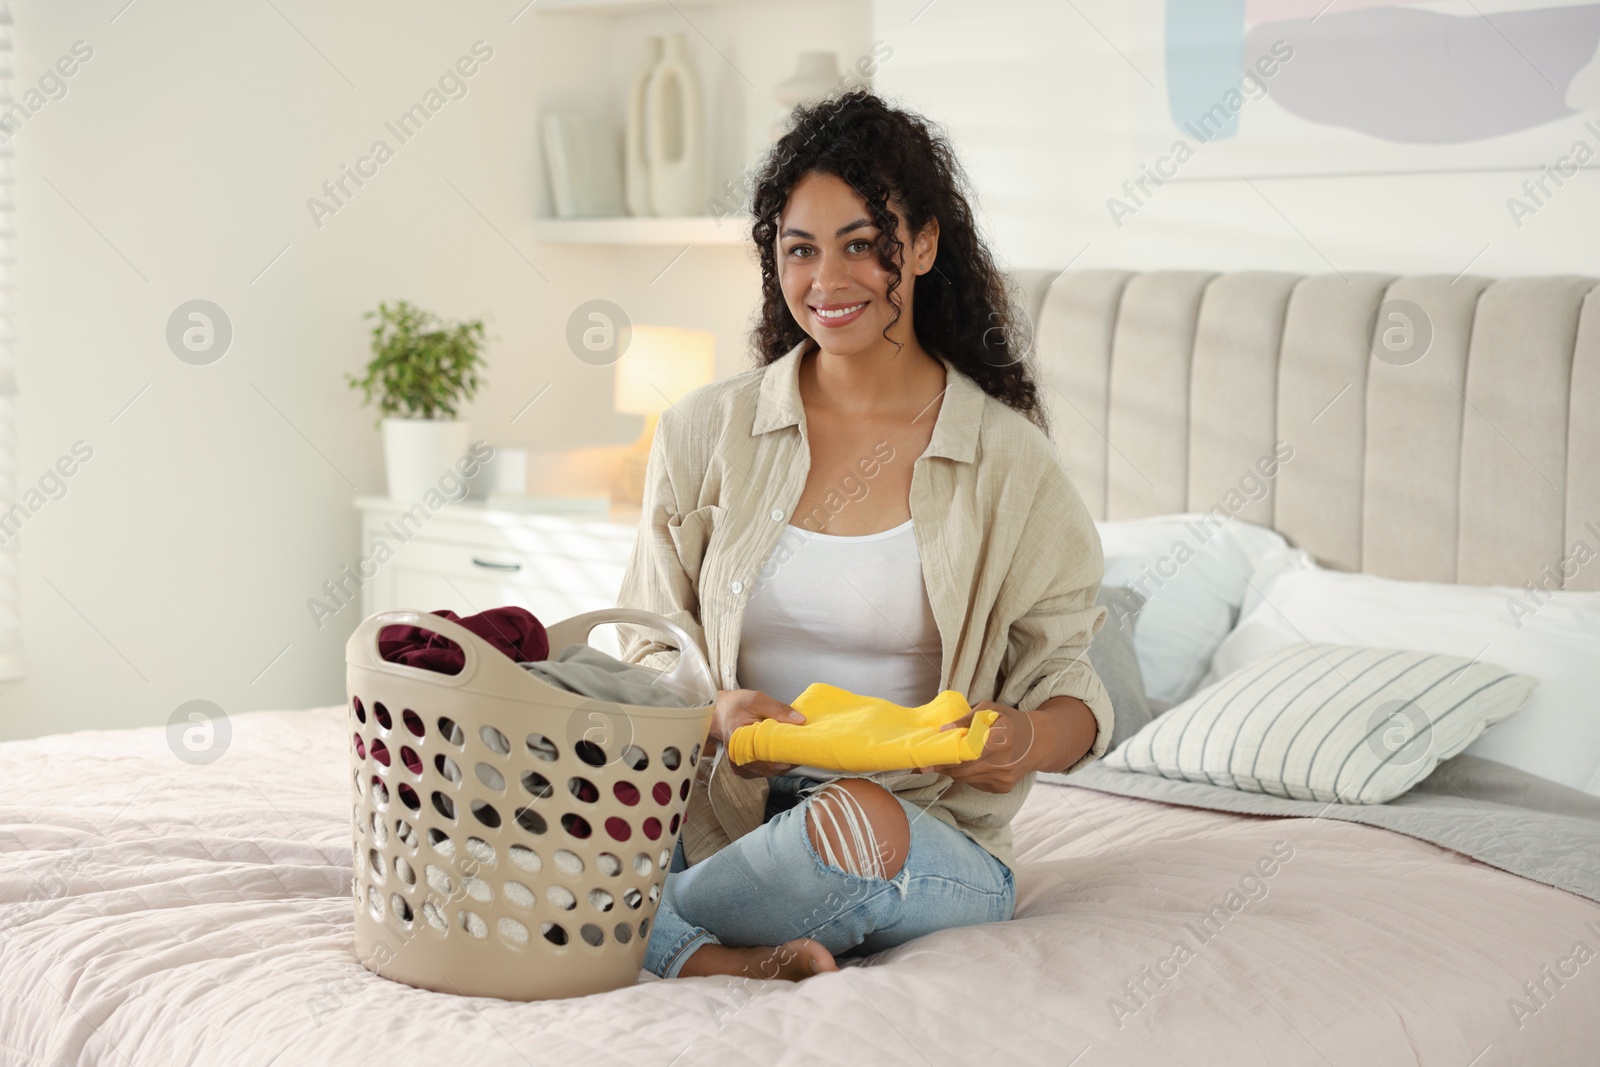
1327,722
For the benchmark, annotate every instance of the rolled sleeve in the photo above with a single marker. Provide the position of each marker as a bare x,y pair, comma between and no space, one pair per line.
1060,561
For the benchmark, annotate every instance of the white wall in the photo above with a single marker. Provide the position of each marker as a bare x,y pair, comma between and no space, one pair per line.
1040,95
178,166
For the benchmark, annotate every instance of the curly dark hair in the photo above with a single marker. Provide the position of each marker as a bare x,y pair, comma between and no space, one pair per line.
969,312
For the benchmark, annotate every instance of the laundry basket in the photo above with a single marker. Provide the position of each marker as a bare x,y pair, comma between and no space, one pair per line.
511,838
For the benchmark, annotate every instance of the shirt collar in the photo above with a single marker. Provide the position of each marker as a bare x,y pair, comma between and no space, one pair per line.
955,431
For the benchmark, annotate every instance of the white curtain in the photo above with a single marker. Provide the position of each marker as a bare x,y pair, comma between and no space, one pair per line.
11,659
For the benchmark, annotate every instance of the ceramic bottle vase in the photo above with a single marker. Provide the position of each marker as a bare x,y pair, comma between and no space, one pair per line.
816,75
675,136
636,169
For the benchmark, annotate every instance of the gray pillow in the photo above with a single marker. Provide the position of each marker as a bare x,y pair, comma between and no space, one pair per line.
1112,655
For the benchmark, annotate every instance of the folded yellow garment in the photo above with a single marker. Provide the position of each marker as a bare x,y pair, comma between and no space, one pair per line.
845,731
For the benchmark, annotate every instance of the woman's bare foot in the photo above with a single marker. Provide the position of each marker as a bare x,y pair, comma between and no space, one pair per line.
790,961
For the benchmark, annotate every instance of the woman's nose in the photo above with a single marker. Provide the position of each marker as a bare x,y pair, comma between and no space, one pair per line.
833,272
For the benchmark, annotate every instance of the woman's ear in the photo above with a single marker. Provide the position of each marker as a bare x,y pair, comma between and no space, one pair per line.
927,246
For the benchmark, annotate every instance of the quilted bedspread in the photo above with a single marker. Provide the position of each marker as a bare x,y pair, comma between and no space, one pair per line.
156,912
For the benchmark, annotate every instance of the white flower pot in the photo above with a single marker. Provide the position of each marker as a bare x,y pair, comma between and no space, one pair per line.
419,453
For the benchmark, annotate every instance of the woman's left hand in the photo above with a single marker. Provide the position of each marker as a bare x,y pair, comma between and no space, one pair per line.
1004,762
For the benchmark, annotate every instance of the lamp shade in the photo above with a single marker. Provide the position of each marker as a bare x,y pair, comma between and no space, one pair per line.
661,364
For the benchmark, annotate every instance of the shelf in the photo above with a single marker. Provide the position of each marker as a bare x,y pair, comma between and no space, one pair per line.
623,7
644,230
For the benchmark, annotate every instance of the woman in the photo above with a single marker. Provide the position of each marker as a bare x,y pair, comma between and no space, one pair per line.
875,506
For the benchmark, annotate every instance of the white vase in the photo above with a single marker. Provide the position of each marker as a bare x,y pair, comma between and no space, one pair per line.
675,139
420,453
636,167
816,75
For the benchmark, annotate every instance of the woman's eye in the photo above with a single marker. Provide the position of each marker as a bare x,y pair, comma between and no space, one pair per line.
804,251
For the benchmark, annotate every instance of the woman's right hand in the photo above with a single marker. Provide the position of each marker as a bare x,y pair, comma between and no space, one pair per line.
741,707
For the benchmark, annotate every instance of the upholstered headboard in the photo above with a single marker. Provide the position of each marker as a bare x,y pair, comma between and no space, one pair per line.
1478,462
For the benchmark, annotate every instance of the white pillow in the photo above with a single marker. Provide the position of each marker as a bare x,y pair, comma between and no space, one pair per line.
1328,722
1556,737
1192,569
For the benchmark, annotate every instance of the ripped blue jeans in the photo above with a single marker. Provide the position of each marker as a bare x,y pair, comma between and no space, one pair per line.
771,886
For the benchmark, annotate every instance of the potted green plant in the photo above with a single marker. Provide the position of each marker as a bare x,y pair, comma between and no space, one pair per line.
422,371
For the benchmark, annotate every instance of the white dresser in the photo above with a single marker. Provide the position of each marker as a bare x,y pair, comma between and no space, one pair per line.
468,558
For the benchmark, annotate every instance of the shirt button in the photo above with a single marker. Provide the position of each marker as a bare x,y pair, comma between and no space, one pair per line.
777,515
736,587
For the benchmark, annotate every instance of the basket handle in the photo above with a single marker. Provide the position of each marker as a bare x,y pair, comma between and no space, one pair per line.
496,669
690,677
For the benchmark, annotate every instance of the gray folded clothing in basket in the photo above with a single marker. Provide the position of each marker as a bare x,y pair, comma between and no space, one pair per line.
583,669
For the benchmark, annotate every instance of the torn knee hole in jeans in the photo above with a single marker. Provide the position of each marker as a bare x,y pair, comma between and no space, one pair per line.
858,851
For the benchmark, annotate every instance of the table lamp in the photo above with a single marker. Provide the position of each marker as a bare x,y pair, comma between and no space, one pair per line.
661,364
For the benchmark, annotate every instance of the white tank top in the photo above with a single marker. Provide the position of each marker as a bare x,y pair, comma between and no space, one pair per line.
851,611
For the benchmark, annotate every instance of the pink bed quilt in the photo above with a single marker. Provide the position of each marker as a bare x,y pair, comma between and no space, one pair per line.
154,912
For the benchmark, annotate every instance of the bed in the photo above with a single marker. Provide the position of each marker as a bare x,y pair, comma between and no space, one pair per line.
154,911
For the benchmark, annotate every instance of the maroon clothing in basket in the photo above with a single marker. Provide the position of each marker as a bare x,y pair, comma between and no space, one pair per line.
513,631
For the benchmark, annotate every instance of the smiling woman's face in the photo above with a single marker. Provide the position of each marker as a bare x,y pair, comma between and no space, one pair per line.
828,268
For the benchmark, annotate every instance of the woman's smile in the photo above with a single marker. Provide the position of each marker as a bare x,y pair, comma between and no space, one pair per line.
835,315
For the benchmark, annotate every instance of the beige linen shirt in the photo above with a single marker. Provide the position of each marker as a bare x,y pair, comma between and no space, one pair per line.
1010,557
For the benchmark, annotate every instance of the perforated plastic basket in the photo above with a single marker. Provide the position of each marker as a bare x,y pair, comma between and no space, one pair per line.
511,838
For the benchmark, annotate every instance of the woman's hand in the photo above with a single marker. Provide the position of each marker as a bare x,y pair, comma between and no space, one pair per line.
1004,762
741,707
